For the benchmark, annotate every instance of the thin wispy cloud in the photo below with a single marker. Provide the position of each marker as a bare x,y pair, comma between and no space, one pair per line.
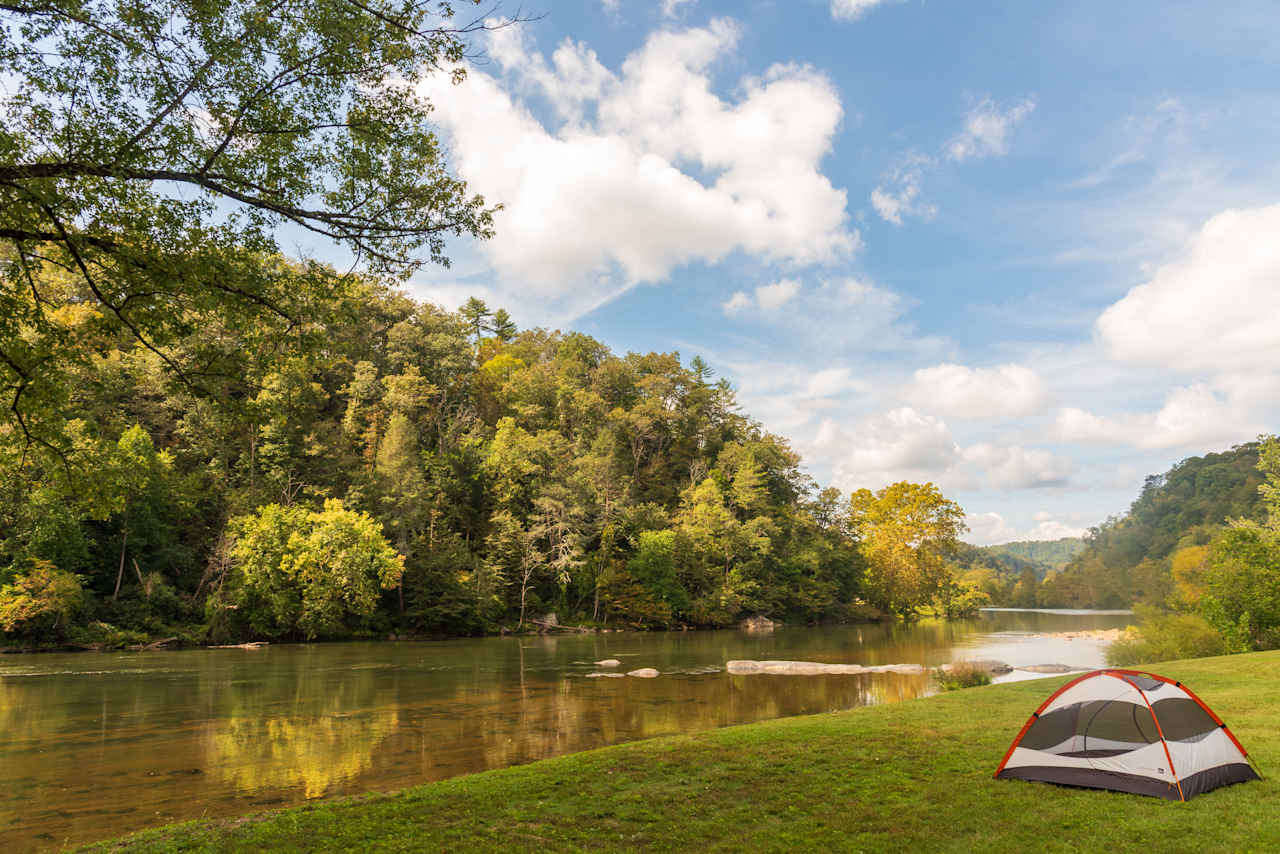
899,197
985,133
851,10
986,130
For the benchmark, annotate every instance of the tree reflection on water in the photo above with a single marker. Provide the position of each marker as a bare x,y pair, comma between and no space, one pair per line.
95,745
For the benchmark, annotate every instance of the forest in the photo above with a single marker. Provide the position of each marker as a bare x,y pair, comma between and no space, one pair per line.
204,437
207,438
1197,556
394,468
1130,558
1010,574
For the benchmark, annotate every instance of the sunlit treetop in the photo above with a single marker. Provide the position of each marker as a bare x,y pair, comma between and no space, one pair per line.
153,151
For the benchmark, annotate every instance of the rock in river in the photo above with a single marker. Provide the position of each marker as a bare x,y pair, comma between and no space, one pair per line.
987,665
757,624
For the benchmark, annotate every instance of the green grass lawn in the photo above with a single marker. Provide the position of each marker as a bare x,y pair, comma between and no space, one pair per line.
912,776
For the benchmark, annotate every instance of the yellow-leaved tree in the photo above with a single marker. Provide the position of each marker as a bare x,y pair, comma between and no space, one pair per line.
304,573
905,531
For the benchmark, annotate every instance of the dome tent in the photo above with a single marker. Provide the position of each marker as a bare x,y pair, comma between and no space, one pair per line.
1127,731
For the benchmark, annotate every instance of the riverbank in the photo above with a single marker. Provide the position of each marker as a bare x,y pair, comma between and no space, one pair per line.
195,636
914,775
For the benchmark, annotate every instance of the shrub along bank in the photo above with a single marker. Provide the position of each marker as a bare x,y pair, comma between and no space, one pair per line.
911,776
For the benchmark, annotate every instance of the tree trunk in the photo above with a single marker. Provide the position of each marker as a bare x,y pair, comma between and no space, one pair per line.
404,548
146,588
524,591
606,543
124,541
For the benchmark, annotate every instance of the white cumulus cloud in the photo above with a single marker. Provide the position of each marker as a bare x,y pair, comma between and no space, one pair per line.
964,392
770,297
906,444
648,168
891,207
1194,415
1055,530
988,529
767,298
740,301
1014,467
1215,309
790,397
901,444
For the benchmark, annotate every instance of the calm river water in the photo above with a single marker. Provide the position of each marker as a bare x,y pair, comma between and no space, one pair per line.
95,745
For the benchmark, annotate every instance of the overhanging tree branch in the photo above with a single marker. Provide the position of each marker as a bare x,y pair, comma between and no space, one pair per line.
303,130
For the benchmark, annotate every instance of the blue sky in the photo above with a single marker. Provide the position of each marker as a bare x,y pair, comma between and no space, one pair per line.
1028,251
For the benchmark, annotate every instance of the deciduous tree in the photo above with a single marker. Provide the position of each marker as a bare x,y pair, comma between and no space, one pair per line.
313,574
152,152
906,531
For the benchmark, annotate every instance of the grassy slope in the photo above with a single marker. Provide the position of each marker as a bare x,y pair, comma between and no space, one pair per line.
913,776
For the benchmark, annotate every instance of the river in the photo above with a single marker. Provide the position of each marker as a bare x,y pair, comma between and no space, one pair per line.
94,745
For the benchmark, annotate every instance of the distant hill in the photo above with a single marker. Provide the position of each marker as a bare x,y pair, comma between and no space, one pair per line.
1126,558
1009,560
1011,573
1051,554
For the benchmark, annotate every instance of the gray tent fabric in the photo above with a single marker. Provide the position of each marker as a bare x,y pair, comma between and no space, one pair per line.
1127,731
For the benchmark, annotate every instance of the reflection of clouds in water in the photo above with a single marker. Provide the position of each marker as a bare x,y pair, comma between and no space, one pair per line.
1024,650
1026,637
